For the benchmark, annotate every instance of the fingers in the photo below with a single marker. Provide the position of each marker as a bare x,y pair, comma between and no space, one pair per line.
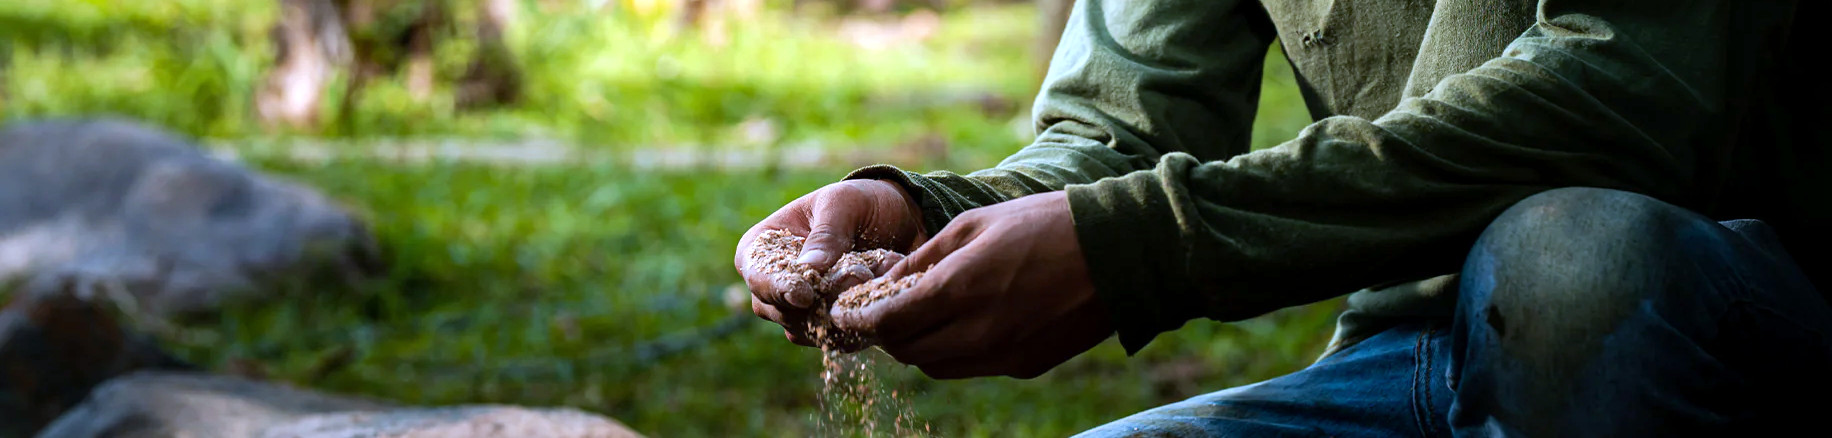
845,278
928,303
778,290
959,233
797,339
831,220
790,323
898,317
796,292
884,266
832,223
929,323
1027,358
765,311
775,291
945,342
792,217
978,366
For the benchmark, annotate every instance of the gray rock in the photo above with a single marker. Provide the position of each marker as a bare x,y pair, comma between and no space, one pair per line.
127,209
478,421
54,348
168,404
178,404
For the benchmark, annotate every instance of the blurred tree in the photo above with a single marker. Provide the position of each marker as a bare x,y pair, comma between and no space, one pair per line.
710,16
850,7
365,40
310,46
493,77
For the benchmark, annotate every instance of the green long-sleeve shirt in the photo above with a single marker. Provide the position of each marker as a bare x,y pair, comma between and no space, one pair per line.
1433,117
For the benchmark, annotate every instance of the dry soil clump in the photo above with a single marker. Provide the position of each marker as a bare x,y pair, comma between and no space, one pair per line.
774,254
878,289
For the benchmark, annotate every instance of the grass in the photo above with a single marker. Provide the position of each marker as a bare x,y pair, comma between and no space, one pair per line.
600,78
500,266
568,284
538,287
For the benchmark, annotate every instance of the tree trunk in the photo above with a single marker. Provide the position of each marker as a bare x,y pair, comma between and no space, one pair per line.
420,41
493,77
311,46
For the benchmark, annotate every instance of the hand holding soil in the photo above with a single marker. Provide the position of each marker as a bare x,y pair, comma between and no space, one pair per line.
832,221
853,396
853,281
1005,292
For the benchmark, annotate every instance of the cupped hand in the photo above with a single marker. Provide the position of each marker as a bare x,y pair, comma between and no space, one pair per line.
1005,292
841,217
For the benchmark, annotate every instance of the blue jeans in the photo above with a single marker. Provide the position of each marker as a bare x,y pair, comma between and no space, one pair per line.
1580,312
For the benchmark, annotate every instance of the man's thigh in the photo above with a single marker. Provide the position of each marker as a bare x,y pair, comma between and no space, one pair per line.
1392,384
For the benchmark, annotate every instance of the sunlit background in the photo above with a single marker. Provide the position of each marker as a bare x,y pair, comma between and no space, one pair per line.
559,184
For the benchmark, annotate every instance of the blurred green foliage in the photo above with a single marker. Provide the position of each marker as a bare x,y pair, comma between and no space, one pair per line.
551,284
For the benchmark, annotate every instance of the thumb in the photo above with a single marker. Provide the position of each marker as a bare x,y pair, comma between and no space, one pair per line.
832,223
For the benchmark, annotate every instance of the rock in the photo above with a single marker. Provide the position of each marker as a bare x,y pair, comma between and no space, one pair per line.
480,421
150,219
54,348
162,404
181,404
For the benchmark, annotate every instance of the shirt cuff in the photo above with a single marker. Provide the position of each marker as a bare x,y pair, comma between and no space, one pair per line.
1129,239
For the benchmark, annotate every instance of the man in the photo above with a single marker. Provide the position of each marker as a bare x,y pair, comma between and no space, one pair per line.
1525,194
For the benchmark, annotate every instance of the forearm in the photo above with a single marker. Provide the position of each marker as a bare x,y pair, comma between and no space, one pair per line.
1132,80
1615,98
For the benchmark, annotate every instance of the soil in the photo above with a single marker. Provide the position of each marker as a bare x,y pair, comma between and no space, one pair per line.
853,398
878,289
856,265
774,254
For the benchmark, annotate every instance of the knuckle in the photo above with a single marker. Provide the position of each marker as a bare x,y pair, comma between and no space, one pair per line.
760,287
884,266
840,192
857,321
978,215
764,311
770,298
967,217
823,231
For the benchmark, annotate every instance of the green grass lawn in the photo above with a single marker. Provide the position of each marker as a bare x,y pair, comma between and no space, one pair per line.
569,284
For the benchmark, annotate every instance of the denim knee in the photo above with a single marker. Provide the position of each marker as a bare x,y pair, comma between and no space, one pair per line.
1565,266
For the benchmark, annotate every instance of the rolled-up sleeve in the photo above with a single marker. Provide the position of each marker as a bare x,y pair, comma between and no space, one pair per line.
1637,96
1130,81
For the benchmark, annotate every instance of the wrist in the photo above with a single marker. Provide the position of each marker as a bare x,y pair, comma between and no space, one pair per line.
912,210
